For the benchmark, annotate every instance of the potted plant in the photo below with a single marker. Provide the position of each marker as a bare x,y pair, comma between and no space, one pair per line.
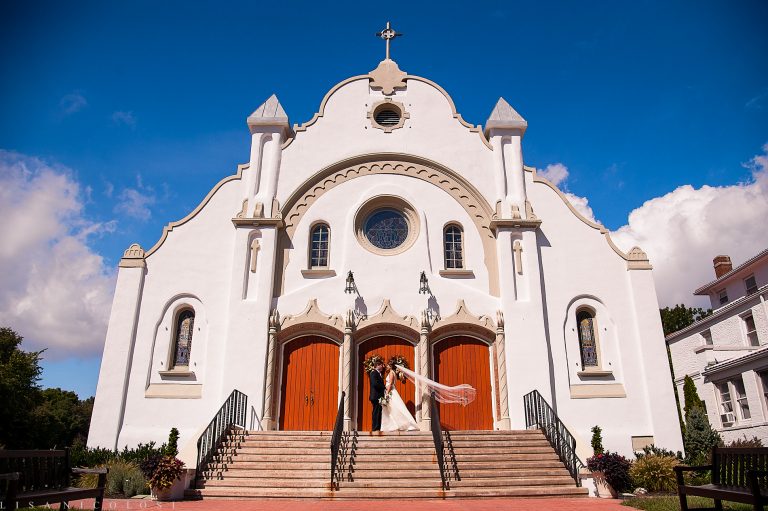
610,472
166,482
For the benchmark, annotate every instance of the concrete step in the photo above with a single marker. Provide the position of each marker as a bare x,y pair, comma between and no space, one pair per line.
389,492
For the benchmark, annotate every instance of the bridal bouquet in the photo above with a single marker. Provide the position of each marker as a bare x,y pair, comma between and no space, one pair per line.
384,400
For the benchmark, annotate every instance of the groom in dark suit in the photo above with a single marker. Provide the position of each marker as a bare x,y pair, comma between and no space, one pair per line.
377,391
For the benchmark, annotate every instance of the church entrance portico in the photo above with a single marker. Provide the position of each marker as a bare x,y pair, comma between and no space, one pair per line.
309,384
386,346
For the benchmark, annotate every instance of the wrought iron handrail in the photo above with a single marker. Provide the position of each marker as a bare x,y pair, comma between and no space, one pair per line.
437,437
540,415
255,422
231,414
338,428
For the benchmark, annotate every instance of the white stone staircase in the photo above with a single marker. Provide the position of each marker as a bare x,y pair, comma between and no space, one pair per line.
289,464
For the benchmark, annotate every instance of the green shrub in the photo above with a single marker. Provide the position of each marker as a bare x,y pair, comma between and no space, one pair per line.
699,437
172,448
654,472
168,470
597,440
124,479
691,396
658,451
746,442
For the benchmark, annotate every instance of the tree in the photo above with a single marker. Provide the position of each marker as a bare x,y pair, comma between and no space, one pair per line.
699,437
680,316
691,396
60,418
19,390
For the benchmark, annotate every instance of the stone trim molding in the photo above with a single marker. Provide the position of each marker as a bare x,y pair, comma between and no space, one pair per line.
636,258
386,315
313,314
592,391
172,225
396,105
174,391
258,222
318,273
321,111
387,77
429,171
387,202
463,317
457,274
133,257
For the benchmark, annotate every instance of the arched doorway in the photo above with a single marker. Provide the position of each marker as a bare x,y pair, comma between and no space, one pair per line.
458,360
310,384
386,346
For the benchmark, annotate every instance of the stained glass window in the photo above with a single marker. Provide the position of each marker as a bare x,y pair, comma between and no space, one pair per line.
184,328
454,257
318,257
386,229
587,342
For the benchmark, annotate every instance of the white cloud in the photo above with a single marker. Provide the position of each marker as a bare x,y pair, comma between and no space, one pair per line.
556,173
55,290
136,202
72,103
124,118
581,204
685,229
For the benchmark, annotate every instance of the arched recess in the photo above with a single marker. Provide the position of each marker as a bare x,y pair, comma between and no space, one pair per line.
387,342
426,170
309,380
466,355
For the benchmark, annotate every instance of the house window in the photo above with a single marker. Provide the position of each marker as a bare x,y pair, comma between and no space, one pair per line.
185,324
727,417
734,406
751,284
318,257
723,297
707,335
764,382
453,247
751,330
741,398
587,341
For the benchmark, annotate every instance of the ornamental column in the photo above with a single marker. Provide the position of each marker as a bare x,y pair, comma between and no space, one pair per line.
422,397
267,420
501,368
346,369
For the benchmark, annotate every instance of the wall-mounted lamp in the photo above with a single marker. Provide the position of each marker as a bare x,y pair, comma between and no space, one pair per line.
424,285
351,287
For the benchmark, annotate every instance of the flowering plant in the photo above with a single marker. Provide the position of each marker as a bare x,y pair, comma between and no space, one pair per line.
384,400
401,361
371,362
615,467
168,470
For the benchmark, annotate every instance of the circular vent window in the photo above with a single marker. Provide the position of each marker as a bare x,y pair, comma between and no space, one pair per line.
387,116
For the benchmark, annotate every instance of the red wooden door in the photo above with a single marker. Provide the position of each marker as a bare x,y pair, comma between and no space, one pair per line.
386,346
310,386
465,360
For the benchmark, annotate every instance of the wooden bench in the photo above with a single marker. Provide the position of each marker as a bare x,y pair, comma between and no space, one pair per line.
738,475
42,478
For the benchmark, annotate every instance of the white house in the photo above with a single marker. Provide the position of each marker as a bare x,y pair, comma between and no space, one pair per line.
386,181
726,354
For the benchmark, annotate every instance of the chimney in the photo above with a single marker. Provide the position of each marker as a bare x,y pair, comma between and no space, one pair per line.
722,265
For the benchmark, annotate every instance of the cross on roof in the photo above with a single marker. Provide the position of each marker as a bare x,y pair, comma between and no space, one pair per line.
388,34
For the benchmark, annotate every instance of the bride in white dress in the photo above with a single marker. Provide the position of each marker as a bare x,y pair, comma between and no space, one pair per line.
395,415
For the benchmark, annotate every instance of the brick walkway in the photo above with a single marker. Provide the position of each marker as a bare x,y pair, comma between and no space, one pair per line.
351,505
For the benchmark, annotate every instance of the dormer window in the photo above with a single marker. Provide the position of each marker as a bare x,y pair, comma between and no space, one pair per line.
751,284
723,297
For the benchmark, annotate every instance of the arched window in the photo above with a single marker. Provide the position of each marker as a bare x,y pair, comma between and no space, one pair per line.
587,340
318,250
453,247
185,325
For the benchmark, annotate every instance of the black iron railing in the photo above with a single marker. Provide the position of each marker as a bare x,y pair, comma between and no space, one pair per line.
437,437
232,414
538,414
338,429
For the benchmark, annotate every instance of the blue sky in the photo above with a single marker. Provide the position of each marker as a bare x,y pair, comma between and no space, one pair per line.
142,105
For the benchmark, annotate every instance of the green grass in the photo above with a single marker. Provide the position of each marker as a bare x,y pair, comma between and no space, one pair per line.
672,503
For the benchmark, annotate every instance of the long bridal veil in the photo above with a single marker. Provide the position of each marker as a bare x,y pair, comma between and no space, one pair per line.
462,394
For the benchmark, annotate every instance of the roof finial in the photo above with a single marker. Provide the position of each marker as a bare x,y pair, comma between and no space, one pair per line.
388,34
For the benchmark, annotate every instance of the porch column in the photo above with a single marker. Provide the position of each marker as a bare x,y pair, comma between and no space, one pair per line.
346,369
501,367
422,397
267,420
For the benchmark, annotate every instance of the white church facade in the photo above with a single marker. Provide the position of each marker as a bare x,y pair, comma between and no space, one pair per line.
252,290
